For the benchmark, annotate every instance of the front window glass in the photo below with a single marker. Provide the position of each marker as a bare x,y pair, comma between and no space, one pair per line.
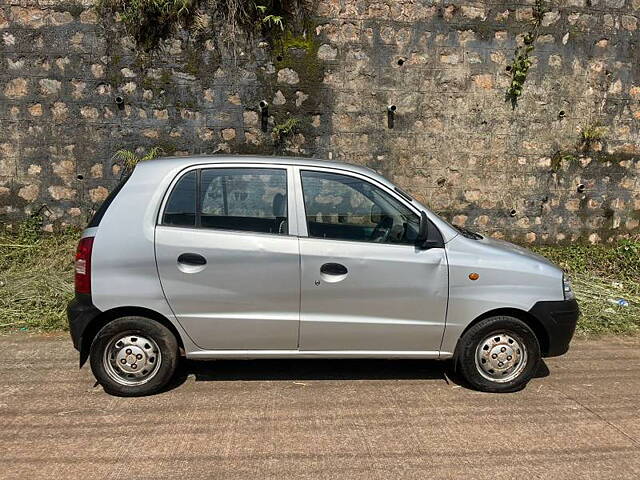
342,207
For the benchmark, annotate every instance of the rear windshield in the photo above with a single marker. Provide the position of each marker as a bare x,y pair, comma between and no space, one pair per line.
97,217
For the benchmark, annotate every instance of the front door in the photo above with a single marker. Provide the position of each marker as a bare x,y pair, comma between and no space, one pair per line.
365,286
228,266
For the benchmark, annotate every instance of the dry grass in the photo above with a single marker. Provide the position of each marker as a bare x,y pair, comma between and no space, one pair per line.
599,315
600,275
36,281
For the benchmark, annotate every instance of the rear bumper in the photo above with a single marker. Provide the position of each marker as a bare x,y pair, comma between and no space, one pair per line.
80,313
559,319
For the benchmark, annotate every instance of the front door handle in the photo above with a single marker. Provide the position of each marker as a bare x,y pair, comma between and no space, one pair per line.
192,259
333,269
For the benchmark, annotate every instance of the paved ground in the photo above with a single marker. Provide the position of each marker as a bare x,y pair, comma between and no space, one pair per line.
319,419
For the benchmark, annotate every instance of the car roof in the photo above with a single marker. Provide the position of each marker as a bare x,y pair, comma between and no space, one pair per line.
170,163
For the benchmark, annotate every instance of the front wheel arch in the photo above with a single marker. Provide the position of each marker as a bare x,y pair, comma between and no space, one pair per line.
532,322
109,315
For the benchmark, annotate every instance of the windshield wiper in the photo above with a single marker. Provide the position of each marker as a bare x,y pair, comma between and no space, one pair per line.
465,232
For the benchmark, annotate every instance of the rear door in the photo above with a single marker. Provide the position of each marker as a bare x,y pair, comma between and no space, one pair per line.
365,286
228,266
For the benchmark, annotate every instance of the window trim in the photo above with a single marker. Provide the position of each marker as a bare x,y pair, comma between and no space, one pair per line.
291,210
302,218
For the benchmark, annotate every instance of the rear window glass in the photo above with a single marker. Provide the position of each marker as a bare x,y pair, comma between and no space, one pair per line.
97,217
181,206
246,199
242,199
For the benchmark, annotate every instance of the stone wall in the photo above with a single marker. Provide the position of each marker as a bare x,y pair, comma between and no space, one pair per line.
521,173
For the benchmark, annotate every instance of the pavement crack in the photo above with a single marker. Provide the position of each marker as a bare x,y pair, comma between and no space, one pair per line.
603,419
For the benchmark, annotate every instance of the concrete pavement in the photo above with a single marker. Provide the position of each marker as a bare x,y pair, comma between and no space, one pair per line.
368,419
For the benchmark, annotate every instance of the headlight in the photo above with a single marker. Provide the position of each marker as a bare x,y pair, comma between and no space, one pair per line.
567,289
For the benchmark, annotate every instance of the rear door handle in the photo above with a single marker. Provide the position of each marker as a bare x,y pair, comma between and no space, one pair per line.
333,269
192,259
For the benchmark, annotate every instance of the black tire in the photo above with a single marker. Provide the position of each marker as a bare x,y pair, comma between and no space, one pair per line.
164,366
472,372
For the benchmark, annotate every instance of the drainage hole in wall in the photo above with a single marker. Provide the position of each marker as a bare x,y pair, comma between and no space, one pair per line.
581,188
513,212
401,61
80,177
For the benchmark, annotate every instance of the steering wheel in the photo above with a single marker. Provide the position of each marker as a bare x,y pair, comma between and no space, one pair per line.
382,230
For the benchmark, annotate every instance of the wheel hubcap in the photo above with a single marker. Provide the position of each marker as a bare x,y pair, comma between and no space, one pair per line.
131,359
501,357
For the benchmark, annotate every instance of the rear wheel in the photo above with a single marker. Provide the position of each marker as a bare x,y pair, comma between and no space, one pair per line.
134,356
498,354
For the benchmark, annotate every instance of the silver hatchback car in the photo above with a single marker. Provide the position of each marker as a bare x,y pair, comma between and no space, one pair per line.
264,257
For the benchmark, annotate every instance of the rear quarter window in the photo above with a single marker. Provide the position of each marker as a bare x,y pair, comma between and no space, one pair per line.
181,206
97,217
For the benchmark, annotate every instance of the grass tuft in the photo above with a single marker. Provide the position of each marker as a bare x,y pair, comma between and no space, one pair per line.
36,278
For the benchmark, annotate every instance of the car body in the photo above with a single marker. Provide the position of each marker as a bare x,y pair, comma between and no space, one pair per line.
345,265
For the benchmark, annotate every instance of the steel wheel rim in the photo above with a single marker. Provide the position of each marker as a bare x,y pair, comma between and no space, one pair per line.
501,357
131,359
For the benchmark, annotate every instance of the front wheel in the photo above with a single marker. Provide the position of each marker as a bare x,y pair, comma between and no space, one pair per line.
134,356
498,354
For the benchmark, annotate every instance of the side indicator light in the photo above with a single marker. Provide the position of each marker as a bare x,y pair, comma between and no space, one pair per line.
474,276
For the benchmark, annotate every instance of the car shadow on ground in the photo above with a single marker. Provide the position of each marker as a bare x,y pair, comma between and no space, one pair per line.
320,369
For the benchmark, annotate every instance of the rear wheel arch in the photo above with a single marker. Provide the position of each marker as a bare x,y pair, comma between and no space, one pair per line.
532,322
108,316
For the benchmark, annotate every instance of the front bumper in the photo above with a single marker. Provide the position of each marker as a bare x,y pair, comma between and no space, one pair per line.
80,313
559,319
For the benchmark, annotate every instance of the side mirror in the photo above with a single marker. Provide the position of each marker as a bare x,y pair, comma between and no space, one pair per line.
423,231
425,240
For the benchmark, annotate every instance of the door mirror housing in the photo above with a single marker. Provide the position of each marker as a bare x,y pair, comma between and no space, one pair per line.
426,238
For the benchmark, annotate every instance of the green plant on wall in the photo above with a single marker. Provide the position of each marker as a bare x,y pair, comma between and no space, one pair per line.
269,19
522,59
284,129
590,134
130,158
149,21
559,158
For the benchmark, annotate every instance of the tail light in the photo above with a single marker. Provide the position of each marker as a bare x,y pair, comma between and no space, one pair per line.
83,265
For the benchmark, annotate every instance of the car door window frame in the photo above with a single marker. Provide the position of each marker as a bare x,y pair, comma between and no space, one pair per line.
292,214
302,213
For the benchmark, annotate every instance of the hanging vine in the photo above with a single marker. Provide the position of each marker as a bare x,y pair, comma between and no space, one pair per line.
522,59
